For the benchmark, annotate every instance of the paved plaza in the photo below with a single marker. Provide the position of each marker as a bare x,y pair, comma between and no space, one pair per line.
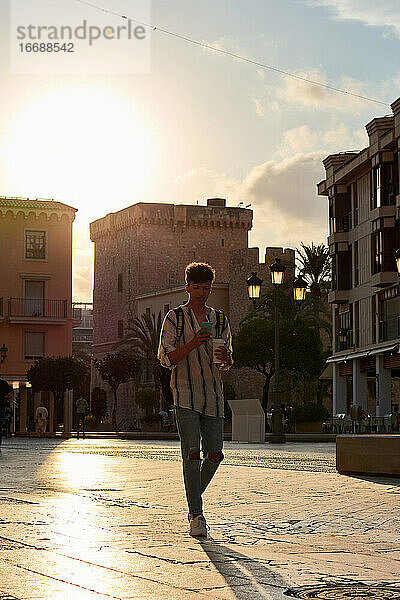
100,519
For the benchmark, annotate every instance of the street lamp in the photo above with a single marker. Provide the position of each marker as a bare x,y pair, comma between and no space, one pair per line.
299,289
342,334
254,284
397,259
299,292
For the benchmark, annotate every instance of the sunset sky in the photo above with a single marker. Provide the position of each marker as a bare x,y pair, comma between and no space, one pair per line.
201,124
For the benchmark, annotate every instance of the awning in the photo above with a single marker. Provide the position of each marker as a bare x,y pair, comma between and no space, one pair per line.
384,349
327,373
337,359
365,353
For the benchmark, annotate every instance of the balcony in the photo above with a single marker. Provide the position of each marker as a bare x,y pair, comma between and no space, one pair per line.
340,226
338,296
41,310
389,329
384,278
347,344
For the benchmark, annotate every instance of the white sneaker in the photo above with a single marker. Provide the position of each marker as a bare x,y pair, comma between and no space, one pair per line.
198,527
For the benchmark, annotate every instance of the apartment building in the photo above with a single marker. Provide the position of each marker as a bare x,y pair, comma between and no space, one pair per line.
36,317
364,216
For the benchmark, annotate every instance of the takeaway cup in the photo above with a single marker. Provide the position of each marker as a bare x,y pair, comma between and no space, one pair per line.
216,343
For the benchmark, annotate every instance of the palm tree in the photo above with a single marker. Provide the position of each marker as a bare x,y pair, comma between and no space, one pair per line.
144,333
316,266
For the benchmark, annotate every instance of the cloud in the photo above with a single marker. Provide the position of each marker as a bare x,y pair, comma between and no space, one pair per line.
297,93
337,139
384,13
282,194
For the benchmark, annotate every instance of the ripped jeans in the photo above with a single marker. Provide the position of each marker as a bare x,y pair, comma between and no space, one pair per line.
198,473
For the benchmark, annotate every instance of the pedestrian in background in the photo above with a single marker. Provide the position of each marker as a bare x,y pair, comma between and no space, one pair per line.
41,420
8,416
82,407
5,393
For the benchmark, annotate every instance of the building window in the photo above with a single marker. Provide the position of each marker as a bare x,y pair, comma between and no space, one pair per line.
356,271
222,242
148,312
34,345
173,278
376,196
35,244
357,323
355,203
166,308
373,312
120,329
120,282
377,252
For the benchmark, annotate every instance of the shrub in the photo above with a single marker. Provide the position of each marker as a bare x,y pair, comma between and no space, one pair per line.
91,422
309,412
151,419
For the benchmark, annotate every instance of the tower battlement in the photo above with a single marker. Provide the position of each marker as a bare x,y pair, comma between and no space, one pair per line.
171,215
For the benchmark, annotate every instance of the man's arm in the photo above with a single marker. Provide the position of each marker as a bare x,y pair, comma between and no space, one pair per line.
200,338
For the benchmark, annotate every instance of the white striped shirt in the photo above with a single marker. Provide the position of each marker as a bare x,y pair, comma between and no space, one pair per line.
195,381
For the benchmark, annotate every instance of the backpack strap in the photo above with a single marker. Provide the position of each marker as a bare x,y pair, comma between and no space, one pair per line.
179,323
220,322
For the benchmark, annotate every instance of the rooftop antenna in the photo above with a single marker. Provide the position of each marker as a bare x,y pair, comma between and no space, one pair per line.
247,205
240,204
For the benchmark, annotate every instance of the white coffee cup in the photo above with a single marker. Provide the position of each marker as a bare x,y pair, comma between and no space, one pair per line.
216,344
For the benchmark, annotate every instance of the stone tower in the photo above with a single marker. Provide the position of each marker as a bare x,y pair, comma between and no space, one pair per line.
143,249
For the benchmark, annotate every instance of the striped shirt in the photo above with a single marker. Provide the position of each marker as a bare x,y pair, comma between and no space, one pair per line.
195,381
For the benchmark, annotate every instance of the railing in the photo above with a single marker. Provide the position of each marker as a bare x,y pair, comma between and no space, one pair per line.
357,337
82,337
37,308
76,313
342,224
389,329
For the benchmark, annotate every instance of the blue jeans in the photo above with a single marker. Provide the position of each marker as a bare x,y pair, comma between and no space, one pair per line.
197,473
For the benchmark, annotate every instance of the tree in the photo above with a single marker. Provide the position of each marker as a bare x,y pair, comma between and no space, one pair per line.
118,368
316,267
57,374
301,354
143,334
253,345
98,403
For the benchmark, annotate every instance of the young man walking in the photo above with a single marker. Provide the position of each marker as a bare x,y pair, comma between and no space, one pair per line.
186,348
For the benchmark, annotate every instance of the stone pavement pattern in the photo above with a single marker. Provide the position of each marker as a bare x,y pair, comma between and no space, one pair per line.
101,519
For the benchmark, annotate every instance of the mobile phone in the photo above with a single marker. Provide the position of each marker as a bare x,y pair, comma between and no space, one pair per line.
206,325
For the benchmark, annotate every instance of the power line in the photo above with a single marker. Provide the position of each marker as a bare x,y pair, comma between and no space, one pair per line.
234,55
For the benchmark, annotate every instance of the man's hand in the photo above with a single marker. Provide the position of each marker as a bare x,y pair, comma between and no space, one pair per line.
200,338
222,354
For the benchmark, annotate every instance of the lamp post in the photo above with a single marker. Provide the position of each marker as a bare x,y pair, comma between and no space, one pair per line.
299,292
277,437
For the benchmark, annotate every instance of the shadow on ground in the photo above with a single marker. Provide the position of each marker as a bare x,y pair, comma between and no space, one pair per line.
247,578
